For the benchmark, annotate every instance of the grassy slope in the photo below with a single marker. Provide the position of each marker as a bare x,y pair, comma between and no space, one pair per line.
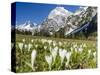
18,36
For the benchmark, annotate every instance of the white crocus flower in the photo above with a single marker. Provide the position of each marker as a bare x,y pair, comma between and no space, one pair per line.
76,49
20,46
49,41
60,44
68,54
43,41
89,51
80,49
62,54
45,47
25,46
54,43
29,46
49,60
36,46
23,40
54,53
84,45
50,48
56,48
75,46
81,45
71,49
32,40
33,57
94,54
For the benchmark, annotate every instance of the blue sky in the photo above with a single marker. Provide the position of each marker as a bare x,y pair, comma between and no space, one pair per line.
37,12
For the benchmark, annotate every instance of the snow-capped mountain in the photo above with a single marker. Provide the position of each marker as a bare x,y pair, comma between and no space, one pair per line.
59,11
81,11
27,26
87,28
56,19
79,18
60,19
59,15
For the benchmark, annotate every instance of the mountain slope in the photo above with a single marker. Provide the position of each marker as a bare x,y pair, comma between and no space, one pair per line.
61,22
27,26
56,20
87,28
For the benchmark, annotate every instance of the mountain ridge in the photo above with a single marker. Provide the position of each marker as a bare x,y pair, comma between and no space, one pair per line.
60,19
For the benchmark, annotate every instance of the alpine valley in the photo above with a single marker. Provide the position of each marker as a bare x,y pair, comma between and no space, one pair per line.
63,23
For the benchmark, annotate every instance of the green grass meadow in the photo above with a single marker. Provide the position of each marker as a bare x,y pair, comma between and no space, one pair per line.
54,54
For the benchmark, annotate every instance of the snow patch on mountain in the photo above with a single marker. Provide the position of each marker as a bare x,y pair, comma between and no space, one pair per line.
80,11
27,26
59,11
